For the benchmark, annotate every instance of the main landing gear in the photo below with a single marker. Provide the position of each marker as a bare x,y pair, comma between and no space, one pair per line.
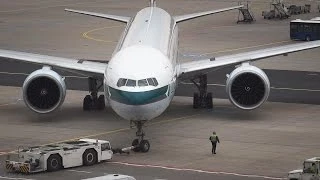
92,101
140,144
203,99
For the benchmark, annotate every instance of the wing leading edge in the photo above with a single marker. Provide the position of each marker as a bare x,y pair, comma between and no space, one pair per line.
106,16
206,64
201,14
85,68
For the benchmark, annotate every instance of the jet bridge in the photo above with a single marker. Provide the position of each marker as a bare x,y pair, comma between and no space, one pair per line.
245,14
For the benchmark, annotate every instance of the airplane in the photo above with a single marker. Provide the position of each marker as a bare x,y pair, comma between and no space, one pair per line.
141,77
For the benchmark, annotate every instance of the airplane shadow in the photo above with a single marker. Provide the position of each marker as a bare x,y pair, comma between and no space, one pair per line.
65,114
75,114
220,112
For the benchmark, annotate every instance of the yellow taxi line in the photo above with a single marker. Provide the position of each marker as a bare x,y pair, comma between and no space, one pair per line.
87,36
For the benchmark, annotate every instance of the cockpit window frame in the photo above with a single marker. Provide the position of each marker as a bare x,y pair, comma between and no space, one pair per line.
155,81
131,80
150,82
143,83
122,82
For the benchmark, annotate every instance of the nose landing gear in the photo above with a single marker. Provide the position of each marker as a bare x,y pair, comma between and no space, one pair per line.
140,144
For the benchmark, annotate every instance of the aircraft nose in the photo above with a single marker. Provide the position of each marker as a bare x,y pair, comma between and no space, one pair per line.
138,98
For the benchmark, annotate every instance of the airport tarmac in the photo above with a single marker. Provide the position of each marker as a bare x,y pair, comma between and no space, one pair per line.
269,141
262,144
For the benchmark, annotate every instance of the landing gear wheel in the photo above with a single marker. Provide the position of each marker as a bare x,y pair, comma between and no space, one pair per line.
101,102
209,103
203,99
135,143
87,101
89,157
92,101
140,145
196,100
54,163
144,146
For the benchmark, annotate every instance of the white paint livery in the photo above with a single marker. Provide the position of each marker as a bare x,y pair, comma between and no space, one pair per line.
139,62
148,50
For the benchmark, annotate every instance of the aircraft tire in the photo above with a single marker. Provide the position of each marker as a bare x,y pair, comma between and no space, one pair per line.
87,103
144,146
101,102
135,143
196,101
209,103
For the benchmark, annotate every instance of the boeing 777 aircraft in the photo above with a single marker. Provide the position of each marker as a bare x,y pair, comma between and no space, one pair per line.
140,79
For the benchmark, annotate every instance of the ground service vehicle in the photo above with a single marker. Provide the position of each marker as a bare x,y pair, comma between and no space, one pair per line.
294,9
63,155
310,170
306,30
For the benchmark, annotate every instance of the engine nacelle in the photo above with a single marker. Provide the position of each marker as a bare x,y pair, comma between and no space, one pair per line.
248,87
44,90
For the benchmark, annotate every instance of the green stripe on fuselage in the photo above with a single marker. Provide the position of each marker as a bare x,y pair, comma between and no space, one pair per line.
138,98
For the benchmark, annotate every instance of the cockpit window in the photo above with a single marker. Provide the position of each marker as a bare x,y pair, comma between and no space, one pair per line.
131,83
142,82
121,82
155,81
152,81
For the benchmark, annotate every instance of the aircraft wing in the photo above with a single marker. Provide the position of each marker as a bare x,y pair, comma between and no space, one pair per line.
201,14
81,67
205,65
106,16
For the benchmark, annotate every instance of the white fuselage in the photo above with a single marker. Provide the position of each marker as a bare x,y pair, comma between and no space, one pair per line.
140,80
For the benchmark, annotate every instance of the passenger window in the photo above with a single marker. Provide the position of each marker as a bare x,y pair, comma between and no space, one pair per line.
121,82
294,27
142,82
300,28
131,83
307,28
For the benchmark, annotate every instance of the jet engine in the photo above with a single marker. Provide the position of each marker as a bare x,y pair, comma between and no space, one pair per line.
44,90
248,87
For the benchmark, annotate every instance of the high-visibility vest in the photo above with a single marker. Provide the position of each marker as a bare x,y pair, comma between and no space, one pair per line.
213,138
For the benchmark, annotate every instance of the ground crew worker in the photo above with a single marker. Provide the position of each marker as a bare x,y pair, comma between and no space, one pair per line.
214,139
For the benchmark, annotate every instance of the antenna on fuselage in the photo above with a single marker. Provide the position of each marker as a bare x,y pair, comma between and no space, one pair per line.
152,3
